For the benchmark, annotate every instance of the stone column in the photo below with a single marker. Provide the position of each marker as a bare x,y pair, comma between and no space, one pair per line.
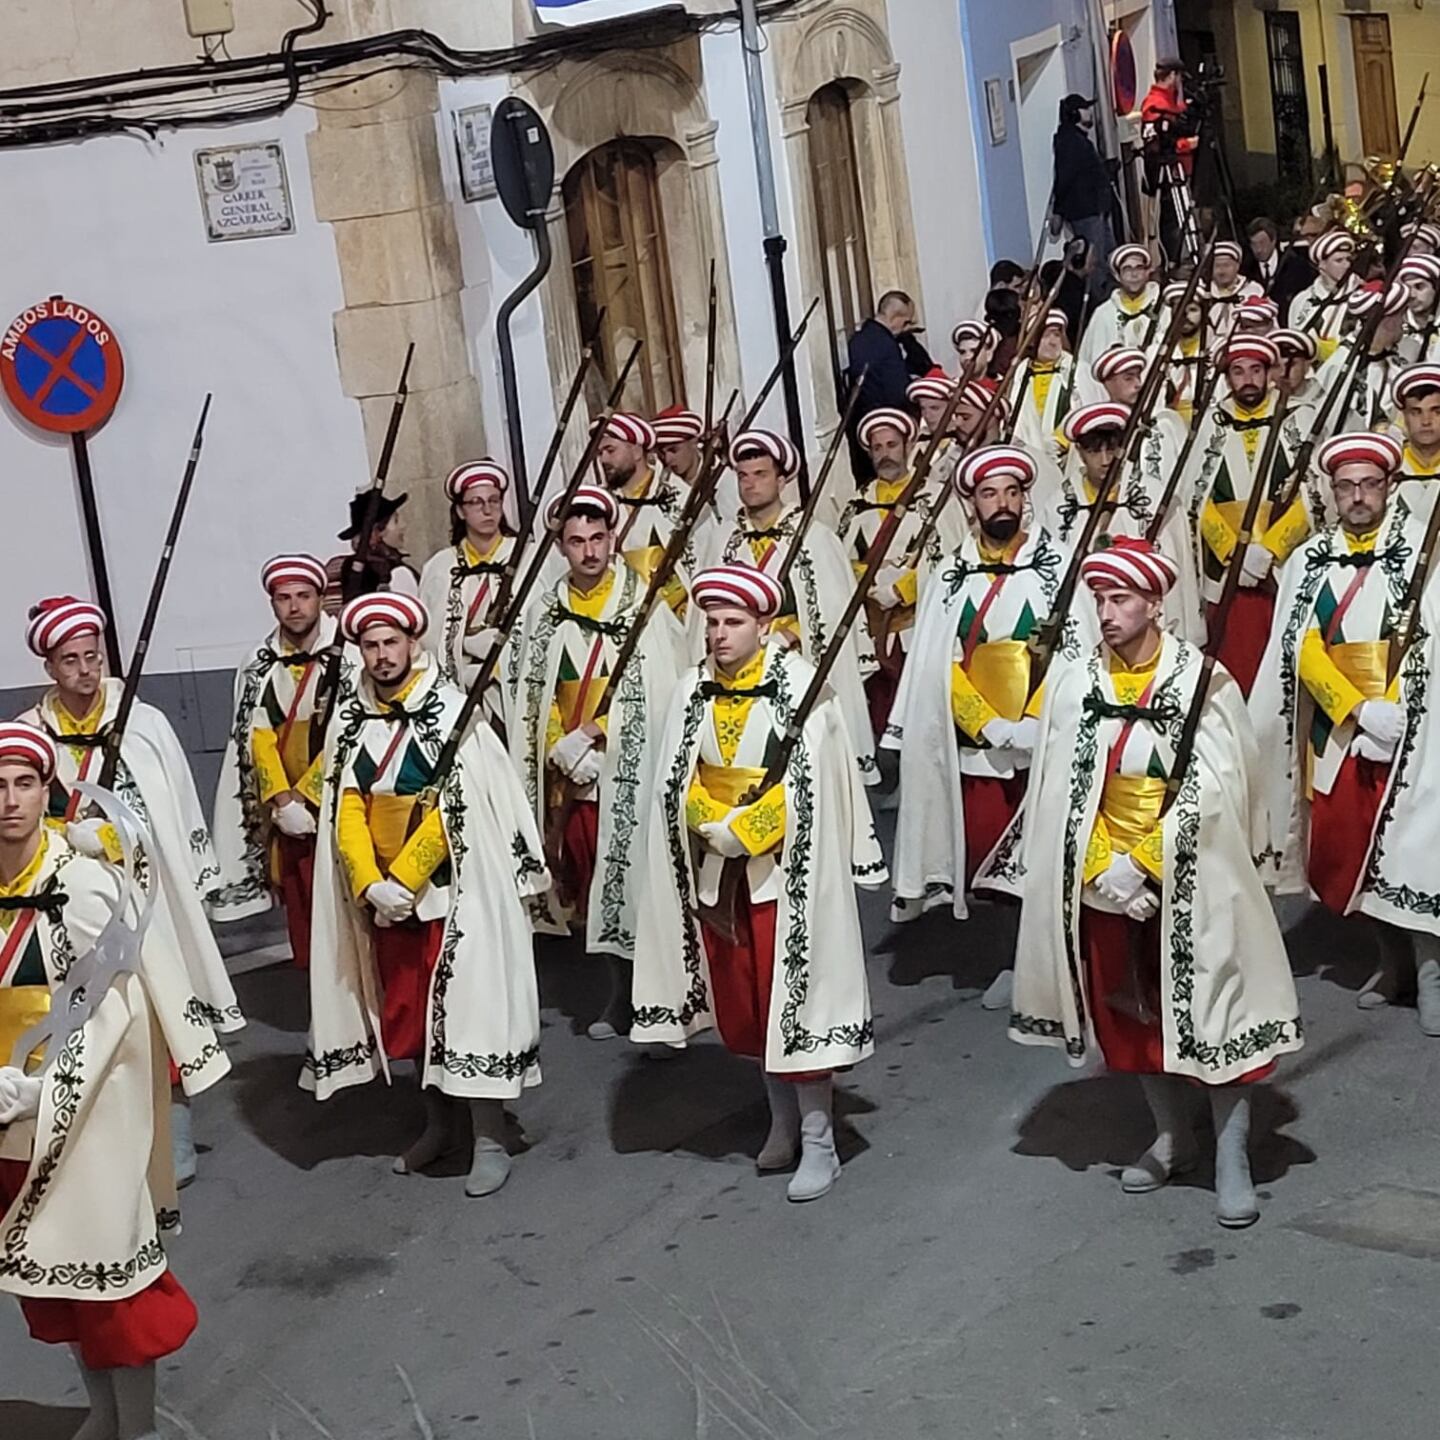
375,169
894,182
709,212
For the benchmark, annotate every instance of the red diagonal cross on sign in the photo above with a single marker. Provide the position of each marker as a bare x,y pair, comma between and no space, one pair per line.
60,366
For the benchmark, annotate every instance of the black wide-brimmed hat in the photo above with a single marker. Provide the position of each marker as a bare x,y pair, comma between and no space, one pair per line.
360,505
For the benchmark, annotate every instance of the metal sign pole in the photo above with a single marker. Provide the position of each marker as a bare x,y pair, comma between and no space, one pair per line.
95,544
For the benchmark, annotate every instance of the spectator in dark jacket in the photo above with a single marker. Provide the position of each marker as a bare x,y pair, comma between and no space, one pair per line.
1082,201
888,344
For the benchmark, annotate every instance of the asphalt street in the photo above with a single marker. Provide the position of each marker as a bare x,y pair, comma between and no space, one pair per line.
975,1273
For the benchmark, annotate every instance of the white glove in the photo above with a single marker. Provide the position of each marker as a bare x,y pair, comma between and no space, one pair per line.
1255,565
391,901
1144,906
1367,747
885,594
19,1095
587,769
84,836
721,839
293,819
1122,882
479,645
1013,734
1383,721
566,752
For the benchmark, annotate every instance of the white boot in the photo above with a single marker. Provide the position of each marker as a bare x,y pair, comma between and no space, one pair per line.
618,1014
135,1402
1173,1150
1235,1203
182,1140
1000,992
1383,985
437,1138
778,1151
490,1163
1427,981
819,1167
101,1423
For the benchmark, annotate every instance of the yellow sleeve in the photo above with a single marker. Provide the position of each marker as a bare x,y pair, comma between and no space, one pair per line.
1036,702
968,707
1215,531
357,845
1320,675
554,727
907,587
1149,854
701,807
425,851
1326,349
1097,851
311,785
787,625
761,827
673,594
269,767
1288,531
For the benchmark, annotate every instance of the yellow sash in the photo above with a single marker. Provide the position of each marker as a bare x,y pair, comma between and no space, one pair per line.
1131,806
1363,664
567,696
1233,513
21,1006
1000,671
645,560
728,784
389,817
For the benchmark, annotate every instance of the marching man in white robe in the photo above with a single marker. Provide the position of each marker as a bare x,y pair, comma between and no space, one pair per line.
1320,307
460,584
1368,404
784,984
930,395
78,1116
1420,339
888,436
587,780
422,944
1417,397
964,719
180,867
1043,389
1353,754
1183,374
271,777
1228,289
1295,377
1146,935
1132,315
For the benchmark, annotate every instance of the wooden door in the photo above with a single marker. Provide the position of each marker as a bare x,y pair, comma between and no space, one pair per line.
1375,85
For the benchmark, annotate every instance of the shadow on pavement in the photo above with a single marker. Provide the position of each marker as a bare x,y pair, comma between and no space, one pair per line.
970,954
573,983
21,1420
277,996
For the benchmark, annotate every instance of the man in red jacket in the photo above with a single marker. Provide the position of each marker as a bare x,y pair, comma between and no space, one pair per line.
1168,132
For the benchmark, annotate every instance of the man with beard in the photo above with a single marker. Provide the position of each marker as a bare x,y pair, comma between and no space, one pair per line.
1145,931
1183,376
819,585
423,949
1367,404
1133,313
887,436
784,984
1320,307
1042,388
1223,467
964,716
588,780
1420,274
1352,816
271,777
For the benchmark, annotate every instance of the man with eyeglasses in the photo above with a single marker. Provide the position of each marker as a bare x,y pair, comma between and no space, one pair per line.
1352,807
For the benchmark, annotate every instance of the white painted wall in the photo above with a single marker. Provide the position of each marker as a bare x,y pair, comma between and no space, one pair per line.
116,223
935,113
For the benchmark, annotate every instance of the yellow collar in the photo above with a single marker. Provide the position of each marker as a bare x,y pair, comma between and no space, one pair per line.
746,677
24,882
1118,667
591,603
405,691
474,557
1260,412
1001,554
887,492
633,491
1362,544
1416,466
1133,304
88,724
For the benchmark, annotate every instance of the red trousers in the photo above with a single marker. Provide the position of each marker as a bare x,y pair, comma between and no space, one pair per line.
880,691
1341,825
990,806
741,974
1247,633
1128,1043
135,1331
296,865
580,848
405,956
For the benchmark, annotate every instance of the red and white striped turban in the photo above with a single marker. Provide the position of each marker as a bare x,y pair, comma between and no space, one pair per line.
1110,363
1229,250
632,429
1360,447
750,444
676,425
404,612
978,393
1257,310
587,497
1056,320
1175,292
56,620
1006,462
1294,343
464,478
1415,379
935,384
1331,243
1122,253
886,419
28,746
1420,267
980,331
1249,347
1130,564
1364,298
1092,419
740,586
1424,233
292,570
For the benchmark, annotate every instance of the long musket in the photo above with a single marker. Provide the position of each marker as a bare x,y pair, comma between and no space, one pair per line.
1032,276
1172,485
1408,631
1414,121
710,338
786,355
572,399
116,734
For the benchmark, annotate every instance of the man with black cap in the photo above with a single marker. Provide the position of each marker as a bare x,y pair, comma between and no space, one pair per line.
385,567
1082,197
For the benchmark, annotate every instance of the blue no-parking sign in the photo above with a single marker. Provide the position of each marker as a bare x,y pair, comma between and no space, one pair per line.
61,366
